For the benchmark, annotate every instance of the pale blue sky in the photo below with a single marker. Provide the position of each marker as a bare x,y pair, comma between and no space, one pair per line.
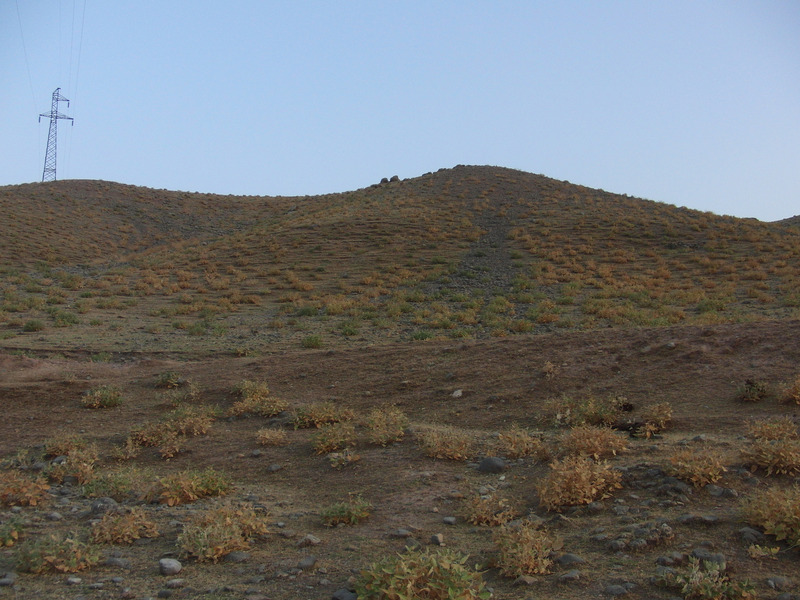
689,102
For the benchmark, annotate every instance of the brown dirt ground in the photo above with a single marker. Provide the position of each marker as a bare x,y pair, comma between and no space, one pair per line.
696,369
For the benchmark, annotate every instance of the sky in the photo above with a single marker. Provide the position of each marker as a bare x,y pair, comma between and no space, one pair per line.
690,102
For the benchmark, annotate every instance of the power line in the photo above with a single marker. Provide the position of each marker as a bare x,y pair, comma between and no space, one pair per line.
25,52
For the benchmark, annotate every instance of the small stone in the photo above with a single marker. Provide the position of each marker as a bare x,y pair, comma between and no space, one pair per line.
344,594
54,516
257,453
457,394
437,539
237,556
615,590
569,576
164,594
401,533
492,464
169,566
779,583
703,554
274,468
569,559
174,584
449,520
307,563
309,540
752,536
525,580
8,579
73,580
115,561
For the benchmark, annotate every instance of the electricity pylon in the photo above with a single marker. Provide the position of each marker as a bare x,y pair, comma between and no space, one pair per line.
49,173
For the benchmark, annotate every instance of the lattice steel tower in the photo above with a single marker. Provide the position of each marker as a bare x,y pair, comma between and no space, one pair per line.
49,173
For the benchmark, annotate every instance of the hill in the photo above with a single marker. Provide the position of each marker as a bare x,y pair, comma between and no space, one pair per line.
549,390
468,252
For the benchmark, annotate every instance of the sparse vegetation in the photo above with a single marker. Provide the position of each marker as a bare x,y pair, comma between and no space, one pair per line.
104,396
577,480
442,441
123,527
217,532
698,466
524,549
439,574
56,553
351,512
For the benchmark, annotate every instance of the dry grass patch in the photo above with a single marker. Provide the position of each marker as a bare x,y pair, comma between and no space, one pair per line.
595,442
104,396
489,510
56,553
776,511
331,437
774,446
321,413
124,527
656,417
577,480
698,466
188,486
385,425
352,512
255,399
217,532
790,392
571,412
446,442
272,437
517,442
524,549
438,574
19,489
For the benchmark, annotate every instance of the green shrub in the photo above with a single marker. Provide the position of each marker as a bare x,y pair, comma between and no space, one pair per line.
352,512
56,553
104,396
33,325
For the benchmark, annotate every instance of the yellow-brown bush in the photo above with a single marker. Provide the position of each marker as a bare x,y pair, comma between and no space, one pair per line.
779,428
517,442
272,437
56,553
656,417
570,412
331,437
123,527
524,550
776,511
320,413
385,425
255,399
595,442
489,510
780,456
790,392
444,441
188,486
698,466
220,531
19,489
577,480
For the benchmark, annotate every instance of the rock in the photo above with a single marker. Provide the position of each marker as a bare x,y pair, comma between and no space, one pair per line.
569,559
102,505
449,520
115,561
174,584
274,468
752,536
309,540
492,464
570,576
54,516
8,579
73,580
703,554
779,583
615,590
238,556
401,533
437,539
169,566
344,594
525,580
457,394
307,563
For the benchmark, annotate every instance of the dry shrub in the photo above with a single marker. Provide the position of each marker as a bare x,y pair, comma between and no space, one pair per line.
120,484
344,458
318,414
517,442
272,437
355,510
188,486
255,399
595,442
656,417
752,390
776,511
790,392
570,412
781,456
431,574
706,580
18,489
524,550
220,531
386,425
779,428
123,527
331,437
444,441
56,553
698,466
79,463
104,396
489,510
577,480
62,445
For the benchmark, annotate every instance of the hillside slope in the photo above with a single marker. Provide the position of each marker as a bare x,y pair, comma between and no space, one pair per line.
468,252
